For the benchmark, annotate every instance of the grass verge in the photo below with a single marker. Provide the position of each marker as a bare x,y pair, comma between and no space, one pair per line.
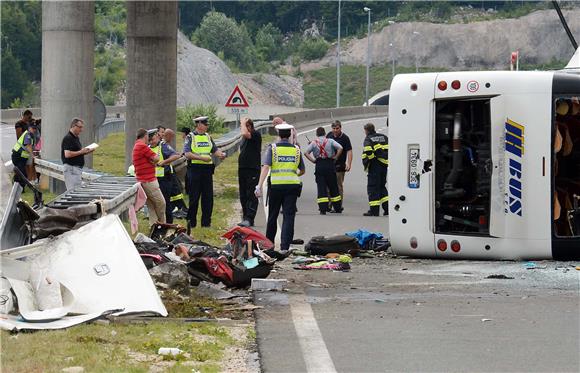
121,348
133,347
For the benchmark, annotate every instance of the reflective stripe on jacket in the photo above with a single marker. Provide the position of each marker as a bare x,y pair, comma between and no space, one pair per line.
285,162
201,145
375,147
159,170
20,145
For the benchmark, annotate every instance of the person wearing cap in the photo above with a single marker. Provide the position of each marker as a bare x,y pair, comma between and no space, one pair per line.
145,161
198,149
72,154
164,171
249,170
284,162
23,151
375,160
323,152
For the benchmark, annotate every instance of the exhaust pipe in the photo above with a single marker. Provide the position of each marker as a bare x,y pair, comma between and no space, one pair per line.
449,186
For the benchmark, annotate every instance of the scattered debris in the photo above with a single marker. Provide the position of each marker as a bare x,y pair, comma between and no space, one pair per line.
174,351
90,272
259,284
500,277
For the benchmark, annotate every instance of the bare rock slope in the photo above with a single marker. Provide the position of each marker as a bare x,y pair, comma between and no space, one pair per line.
539,37
202,78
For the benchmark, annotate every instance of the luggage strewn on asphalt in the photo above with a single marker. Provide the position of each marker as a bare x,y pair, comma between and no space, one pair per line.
341,244
241,259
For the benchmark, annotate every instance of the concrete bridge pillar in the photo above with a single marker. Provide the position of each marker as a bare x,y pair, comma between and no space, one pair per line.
151,67
68,42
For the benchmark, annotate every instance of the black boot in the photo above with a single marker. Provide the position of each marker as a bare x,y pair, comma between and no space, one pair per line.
373,211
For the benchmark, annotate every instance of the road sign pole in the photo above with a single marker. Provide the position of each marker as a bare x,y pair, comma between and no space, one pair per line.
238,120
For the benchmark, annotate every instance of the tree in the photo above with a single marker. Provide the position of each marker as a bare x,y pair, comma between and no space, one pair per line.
14,80
269,42
22,34
219,33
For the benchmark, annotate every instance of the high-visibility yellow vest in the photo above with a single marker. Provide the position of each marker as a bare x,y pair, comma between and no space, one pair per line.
20,145
201,145
285,161
159,170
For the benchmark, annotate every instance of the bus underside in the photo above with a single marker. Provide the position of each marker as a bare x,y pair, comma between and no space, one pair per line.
566,167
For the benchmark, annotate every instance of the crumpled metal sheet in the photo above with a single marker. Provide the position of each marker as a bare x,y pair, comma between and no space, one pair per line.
99,266
13,232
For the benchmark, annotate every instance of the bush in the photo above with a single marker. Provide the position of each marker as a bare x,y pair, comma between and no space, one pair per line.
221,34
186,115
313,48
269,43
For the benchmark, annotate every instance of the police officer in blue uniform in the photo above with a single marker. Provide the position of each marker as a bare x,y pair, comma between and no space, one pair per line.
198,149
284,162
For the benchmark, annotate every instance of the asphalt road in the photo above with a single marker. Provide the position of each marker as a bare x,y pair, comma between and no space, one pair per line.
401,314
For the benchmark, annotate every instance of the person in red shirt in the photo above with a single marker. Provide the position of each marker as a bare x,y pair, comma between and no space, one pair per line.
144,161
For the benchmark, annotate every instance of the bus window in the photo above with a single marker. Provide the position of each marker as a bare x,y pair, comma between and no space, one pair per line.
463,166
566,166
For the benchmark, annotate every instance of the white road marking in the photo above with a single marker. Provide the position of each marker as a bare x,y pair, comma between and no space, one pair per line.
314,351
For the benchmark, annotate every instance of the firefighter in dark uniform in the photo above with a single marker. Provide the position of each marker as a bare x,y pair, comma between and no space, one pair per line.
198,149
284,163
375,159
163,169
323,152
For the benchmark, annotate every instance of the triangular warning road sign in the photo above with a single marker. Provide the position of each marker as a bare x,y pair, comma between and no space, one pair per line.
237,99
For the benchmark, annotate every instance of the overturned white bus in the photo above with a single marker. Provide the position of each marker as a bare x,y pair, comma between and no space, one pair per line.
485,165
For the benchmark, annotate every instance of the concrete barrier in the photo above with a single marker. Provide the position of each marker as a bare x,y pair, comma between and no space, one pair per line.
326,116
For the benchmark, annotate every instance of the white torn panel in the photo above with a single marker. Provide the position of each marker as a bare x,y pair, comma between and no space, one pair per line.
101,267
91,271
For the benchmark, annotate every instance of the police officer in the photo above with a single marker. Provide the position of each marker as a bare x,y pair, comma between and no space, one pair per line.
284,163
163,169
198,148
323,152
375,159
23,151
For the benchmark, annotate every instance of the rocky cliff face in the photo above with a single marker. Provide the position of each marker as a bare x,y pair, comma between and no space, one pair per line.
539,37
202,78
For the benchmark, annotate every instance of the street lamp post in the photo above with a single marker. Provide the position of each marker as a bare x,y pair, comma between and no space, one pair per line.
338,61
368,10
417,33
393,61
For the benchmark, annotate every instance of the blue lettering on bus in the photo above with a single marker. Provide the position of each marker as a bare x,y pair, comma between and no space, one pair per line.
514,146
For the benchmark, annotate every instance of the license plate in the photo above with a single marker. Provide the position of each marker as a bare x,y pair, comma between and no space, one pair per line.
414,171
